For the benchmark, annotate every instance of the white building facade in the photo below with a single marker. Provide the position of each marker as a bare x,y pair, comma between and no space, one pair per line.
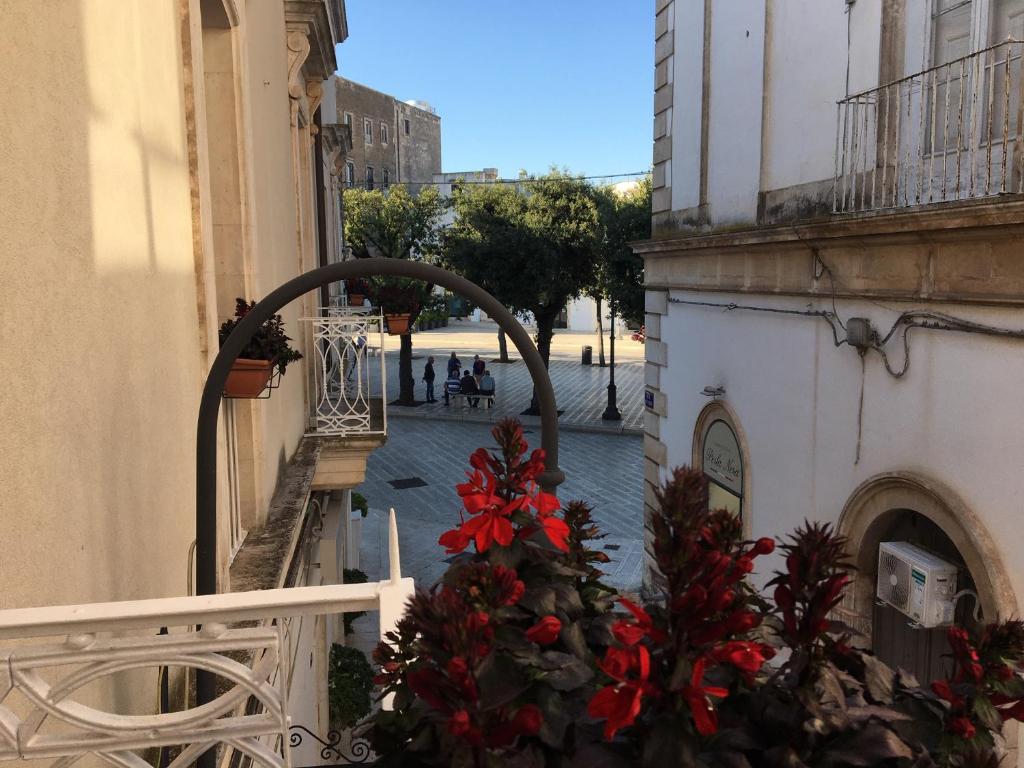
834,285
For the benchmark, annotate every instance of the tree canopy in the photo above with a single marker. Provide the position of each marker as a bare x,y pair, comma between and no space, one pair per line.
533,245
626,217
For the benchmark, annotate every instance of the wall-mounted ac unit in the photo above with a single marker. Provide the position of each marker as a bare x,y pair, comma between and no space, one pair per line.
916,582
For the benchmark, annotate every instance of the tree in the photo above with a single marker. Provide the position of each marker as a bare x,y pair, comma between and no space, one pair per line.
533,245
397,225
625,218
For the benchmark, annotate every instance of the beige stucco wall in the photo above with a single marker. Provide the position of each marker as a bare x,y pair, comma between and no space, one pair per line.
98,310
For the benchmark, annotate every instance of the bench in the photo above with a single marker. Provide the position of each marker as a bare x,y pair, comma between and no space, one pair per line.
462,401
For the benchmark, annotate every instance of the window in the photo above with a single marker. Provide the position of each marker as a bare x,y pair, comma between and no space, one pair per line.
722,464
406,127
383,133
385,178
347,119
350,173
369,177
368,130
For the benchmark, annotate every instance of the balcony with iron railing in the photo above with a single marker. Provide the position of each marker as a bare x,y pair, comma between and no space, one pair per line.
52,658
949,133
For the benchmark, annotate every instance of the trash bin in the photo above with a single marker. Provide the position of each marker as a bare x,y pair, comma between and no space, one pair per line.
588,355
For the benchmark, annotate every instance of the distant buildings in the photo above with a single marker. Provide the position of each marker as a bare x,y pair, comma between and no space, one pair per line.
392,141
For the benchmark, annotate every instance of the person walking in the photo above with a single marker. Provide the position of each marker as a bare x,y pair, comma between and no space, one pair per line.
454,365
478,369
428,379
452,386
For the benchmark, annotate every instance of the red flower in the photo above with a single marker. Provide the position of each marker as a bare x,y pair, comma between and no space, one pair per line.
528,720
487,527
545,503
545,631
618,705
962,727
557,531
458,724
746,657
516,593
454,541
630,634
943,691
763,546
705,718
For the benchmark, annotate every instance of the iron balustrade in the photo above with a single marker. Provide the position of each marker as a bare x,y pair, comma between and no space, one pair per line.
52,657
350,377
949,133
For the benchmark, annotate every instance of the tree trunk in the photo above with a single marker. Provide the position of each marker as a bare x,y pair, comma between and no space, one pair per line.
406,383
600,334
545,331
502,346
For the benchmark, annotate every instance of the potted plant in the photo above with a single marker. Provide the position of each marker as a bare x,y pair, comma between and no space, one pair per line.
401,300
357,289
267,349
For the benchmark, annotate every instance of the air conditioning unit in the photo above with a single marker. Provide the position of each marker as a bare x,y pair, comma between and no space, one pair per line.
917,583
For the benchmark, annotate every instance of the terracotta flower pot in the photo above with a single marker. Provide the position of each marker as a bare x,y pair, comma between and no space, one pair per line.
397,324
356,299
248,378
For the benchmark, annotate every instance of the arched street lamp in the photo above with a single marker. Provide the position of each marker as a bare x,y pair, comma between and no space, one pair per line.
209,407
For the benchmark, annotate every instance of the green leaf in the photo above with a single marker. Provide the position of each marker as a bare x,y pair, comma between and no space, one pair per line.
988,714
501,681
878,679
569,676
540,600
568,599
667,744
573,639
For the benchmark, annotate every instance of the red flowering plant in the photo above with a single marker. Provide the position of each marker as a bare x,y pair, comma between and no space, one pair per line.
492,666
983,690
674,661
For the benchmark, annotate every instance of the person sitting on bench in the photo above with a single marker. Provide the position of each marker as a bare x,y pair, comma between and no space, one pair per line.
469,387
487,384
452,386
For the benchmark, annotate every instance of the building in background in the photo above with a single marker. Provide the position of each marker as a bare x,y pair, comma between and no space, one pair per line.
392,141
834,295
202,172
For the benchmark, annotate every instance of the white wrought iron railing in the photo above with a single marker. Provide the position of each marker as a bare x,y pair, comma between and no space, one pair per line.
349,368
952,132
50,659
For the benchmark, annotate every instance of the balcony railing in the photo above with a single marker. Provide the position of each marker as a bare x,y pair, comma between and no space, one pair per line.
44,684
952,132
349,372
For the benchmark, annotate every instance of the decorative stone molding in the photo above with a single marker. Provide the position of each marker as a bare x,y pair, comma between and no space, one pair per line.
664,49
883,494
968,254
324,24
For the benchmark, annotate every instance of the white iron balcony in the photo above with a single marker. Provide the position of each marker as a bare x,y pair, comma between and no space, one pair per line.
349,372
65,671
949,133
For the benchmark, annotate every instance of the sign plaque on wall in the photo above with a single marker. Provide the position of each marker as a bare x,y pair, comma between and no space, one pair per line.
722,459
648,398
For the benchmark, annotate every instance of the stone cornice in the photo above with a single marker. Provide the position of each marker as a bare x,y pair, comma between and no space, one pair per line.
325,24
945,222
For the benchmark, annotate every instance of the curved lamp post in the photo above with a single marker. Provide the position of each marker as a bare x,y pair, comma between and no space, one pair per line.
209,407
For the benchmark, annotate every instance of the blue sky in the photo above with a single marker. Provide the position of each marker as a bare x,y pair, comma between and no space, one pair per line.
519,84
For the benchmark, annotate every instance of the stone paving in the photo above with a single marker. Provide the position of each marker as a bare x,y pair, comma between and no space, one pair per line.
580,390
603,469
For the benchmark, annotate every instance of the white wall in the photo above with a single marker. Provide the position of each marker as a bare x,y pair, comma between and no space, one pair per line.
803,43
800,118
796,396
737,79
686,102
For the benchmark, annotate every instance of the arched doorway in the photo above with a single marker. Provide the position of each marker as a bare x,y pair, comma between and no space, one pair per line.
905,507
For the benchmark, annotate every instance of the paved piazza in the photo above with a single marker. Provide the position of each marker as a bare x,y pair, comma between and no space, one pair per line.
580,391
603,469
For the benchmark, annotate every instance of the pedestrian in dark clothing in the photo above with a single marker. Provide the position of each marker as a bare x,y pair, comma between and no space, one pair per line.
428,378
452,386
469,387
454,365
478,368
